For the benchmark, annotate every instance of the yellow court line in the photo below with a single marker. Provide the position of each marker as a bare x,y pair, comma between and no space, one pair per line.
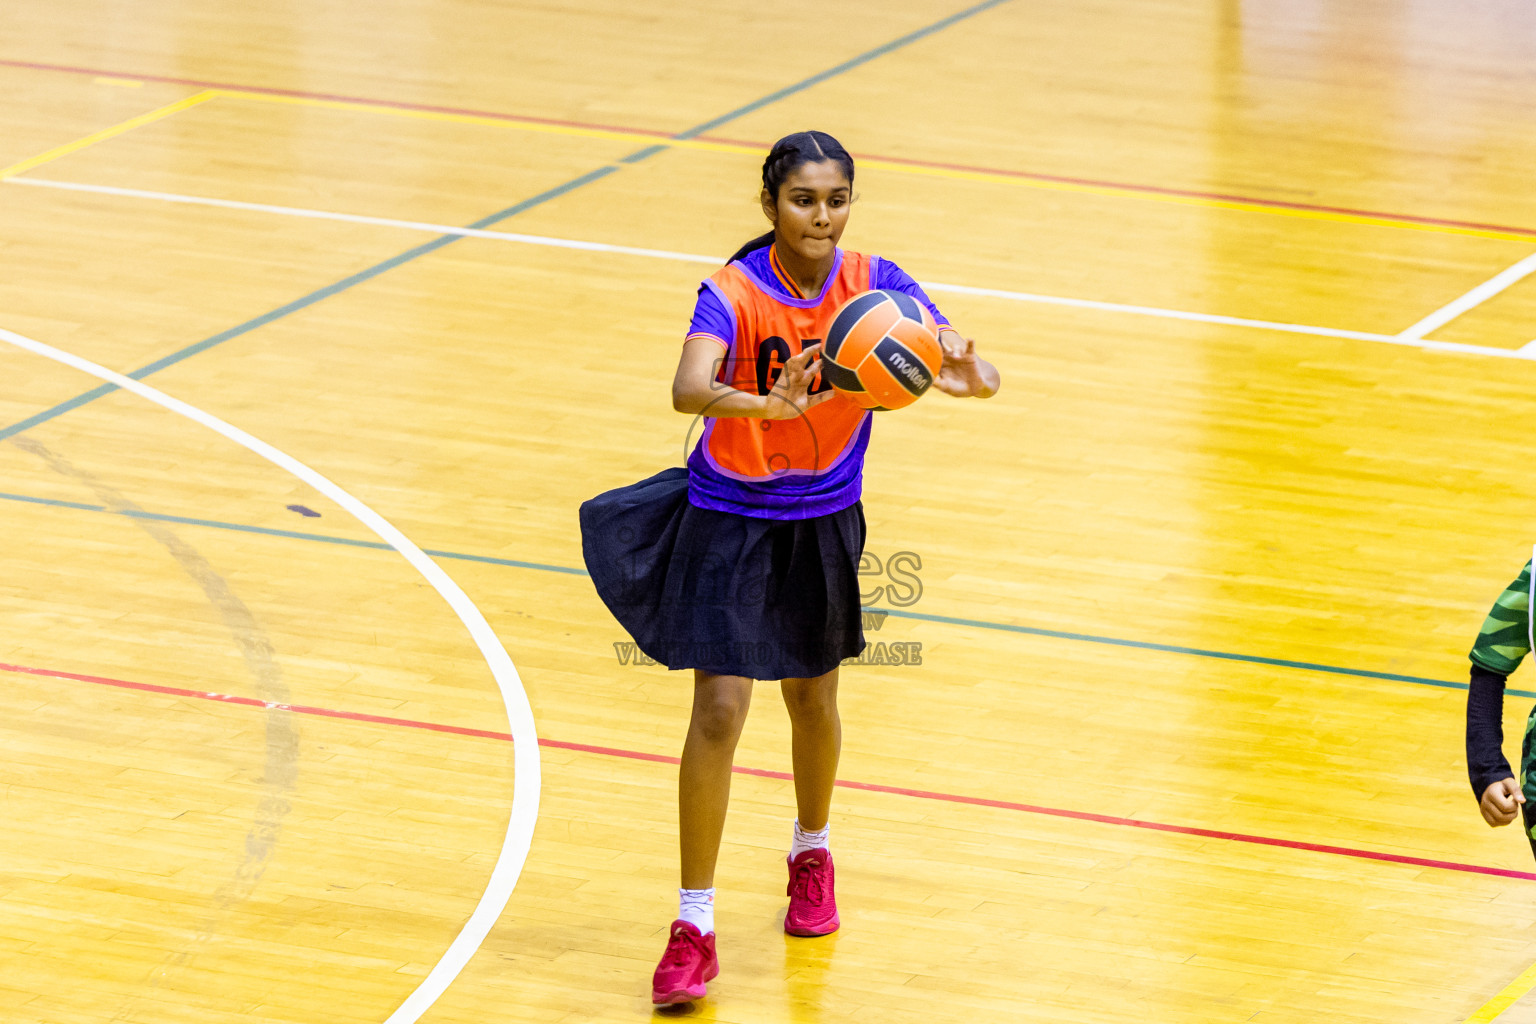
107,133
952,173
497,122
1505,999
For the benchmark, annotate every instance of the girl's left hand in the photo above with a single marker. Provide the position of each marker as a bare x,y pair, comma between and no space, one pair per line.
964,374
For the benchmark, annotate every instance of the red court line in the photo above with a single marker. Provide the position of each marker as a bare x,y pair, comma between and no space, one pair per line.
1228,197
252,702
869,787
265,90
1160,190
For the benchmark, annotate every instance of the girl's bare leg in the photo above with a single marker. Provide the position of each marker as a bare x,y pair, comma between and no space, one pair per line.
817,733
704,779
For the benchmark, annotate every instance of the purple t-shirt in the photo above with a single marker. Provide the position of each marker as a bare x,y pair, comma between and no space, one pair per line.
710,317
795,494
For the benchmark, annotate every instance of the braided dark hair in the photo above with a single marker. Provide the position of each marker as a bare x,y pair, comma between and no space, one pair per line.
787,155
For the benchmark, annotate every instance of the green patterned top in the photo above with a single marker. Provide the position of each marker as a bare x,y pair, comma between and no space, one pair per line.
1505,638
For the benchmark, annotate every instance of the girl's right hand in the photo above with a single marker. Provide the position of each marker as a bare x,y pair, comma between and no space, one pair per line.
1501,803
791,395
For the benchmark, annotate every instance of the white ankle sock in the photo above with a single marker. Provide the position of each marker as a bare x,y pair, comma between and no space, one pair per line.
697,907
808,840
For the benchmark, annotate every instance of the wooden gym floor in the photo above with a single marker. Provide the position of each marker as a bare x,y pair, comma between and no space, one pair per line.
1196,588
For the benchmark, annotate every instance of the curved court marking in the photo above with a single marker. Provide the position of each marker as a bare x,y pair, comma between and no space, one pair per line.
599,173
525,781
1411,338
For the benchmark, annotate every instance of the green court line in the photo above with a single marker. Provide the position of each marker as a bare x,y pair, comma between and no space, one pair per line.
268,531
901,613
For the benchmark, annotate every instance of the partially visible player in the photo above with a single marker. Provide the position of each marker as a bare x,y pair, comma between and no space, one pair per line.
1503,642
745,565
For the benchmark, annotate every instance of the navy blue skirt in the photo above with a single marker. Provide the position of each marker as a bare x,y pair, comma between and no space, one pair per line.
725,593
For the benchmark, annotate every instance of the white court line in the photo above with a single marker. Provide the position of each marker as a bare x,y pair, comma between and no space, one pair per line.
1235,321
1482,293
525,782
1172,314
352,218
1403,339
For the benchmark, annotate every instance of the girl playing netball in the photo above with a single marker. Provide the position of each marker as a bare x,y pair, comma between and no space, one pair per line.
744,565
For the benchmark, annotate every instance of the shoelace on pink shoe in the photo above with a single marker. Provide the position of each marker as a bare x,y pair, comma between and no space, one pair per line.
810,882
677,949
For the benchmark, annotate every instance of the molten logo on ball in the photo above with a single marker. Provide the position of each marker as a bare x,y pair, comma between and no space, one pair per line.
882,350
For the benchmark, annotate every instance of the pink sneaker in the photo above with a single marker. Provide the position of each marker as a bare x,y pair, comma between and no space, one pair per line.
812,903
686,965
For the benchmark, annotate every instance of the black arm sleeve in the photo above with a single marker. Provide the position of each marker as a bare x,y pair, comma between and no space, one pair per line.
1485,730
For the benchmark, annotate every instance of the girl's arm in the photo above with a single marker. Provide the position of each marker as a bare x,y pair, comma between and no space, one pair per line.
1493,783
696,390
964,373
1501,645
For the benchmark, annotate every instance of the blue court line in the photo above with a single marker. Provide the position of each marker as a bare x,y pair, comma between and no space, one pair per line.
848,65
486,222
901,613
1199,652
267,531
